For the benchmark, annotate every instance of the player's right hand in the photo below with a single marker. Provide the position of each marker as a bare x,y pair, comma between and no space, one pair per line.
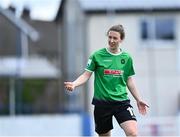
69,86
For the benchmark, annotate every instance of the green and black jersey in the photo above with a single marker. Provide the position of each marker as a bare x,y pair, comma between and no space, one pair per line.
111,74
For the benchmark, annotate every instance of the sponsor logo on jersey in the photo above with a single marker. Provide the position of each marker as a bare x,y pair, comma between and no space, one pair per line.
89,62
107,60
113,72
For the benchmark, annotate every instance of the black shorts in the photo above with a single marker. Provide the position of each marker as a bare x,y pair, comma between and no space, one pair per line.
103,116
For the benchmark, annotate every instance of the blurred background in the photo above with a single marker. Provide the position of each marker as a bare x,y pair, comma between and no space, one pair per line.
46,42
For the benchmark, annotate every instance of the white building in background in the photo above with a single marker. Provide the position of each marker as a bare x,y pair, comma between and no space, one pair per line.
152,38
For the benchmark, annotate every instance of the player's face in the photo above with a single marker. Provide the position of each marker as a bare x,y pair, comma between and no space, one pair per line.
114,40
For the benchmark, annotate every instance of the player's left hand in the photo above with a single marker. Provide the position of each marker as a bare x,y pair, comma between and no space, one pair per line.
142,107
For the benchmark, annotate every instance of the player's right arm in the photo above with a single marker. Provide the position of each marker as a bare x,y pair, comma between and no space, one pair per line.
70,86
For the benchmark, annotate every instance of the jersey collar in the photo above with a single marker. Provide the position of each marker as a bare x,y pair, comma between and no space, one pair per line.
114,54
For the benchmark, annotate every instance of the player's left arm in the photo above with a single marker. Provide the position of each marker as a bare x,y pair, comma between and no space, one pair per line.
142,106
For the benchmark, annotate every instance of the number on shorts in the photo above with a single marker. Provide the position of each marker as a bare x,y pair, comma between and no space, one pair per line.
130,111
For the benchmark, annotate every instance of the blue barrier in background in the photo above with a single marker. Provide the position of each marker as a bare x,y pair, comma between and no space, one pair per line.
86,125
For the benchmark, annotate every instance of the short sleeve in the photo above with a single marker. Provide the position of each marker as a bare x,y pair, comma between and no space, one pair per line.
90,64
130,71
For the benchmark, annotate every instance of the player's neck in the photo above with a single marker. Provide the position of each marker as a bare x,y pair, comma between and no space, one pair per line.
114,51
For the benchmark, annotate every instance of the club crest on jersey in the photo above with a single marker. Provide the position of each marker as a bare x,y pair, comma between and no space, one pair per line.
123,61
113,72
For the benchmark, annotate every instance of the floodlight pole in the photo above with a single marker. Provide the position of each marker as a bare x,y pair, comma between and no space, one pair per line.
22,55
12,97
24,46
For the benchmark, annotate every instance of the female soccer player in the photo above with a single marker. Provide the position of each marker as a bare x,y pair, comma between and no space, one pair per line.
113,70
